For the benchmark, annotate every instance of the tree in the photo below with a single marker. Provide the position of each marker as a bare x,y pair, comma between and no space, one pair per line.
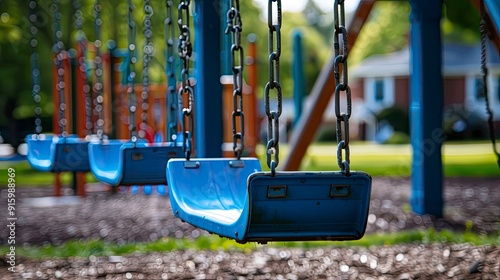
15,50
385,31
460,21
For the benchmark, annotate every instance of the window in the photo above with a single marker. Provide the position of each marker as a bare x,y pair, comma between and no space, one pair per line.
379,90
475,97
379,93
479,89
498,89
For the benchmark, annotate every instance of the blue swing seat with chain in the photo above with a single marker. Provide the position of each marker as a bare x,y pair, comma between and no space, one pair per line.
234,199
125,163
53,153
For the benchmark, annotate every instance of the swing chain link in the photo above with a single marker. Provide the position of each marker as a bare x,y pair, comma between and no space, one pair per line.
98,85
342,85
185,50
35,70
483,29
132,102
148,53
172,81
235,26
78,16
82,66
273,83
60,54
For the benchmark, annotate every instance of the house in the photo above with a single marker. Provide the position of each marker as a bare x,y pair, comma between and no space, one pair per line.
382,81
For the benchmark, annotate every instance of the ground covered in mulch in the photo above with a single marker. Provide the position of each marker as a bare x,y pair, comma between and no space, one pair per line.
469,203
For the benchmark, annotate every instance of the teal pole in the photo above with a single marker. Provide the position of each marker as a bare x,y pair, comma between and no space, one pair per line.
298,75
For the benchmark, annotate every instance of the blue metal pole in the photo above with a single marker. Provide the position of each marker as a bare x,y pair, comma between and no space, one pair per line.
493,6
298,75
225,55
208,89
426,107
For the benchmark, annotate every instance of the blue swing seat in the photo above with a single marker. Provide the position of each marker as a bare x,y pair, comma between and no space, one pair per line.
233,199
53,153
124,163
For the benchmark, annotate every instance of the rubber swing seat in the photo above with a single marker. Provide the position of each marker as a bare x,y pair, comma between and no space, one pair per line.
234,199
125,163
53,153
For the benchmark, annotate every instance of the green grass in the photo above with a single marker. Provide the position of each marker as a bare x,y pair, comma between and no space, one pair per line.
28,177
101,248
459,160
464,160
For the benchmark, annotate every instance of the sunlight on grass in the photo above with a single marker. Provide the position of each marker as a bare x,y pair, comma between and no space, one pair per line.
28,177
214,243
459,159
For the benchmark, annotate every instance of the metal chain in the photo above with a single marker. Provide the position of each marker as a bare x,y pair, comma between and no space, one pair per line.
484,71
60,53
98,85
131,72
82,66
185,50
172,101
235,25
78,16
148,53
35,71
342,85
273,83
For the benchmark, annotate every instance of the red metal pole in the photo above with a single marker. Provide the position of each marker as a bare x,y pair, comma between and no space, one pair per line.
79,105
252,109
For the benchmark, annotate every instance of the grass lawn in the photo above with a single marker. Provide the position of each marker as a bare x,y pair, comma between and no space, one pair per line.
28,177
459,160
100,248
464,160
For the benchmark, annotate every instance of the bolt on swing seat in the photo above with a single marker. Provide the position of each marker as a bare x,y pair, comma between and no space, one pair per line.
234,199
52,153
125,163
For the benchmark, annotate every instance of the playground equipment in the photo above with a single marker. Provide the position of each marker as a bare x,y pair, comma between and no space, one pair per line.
59,152
484,29
233,197
147,190
299,90
135,161
426,89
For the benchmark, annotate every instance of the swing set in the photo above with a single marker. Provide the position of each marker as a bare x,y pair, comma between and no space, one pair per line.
135,161
60,152
233,197
230,197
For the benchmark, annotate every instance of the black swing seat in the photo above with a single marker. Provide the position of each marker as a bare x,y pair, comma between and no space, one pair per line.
125,163
234,199
55,153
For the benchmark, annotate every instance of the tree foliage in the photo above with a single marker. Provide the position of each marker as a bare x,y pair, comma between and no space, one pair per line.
15,50
460,21
386,31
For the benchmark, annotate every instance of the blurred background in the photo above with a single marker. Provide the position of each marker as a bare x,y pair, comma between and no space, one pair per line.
110,224
378,64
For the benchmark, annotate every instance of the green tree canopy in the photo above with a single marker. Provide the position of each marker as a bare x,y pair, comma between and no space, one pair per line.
386,31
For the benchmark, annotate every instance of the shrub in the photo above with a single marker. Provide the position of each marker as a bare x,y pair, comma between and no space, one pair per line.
398,137
396,117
